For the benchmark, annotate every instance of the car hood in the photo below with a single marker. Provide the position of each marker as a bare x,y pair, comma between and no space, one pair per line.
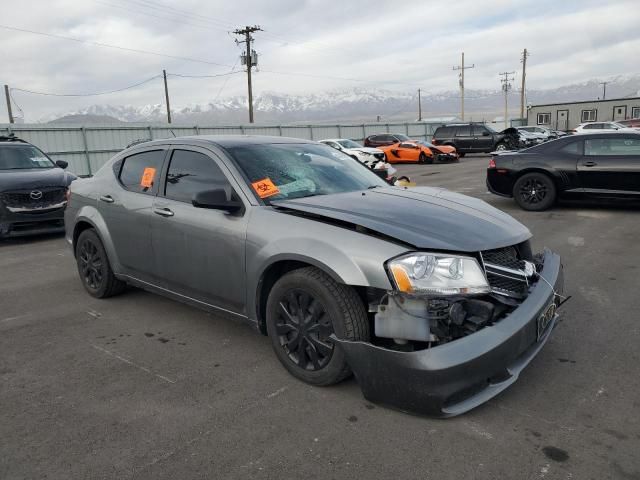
424,217
365,150
34,178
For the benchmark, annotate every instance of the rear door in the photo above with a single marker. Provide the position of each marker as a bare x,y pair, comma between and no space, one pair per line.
126,206
200,252
611,165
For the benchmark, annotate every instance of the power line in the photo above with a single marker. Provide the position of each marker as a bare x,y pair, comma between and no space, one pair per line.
106,45
49,94
203,76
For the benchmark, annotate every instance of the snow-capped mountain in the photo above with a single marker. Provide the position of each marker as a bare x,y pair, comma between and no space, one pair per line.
355,104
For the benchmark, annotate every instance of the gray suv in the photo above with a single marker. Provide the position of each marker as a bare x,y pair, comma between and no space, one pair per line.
433,299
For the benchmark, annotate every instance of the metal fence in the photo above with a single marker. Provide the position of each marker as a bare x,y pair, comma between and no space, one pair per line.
87,148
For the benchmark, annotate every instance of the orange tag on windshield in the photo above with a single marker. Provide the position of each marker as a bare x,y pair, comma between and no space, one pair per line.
265,188
147,177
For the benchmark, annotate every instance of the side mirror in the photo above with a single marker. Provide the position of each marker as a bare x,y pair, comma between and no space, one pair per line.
485,134
216,199
62,164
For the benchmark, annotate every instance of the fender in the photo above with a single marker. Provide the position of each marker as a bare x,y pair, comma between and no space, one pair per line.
91,215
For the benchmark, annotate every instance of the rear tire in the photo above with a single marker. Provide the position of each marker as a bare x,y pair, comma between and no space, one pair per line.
534,192
304,308
94,268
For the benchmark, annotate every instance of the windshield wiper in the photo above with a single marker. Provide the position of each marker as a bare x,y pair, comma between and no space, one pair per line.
373,186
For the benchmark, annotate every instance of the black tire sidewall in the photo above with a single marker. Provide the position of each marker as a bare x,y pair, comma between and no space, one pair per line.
548,201
296,280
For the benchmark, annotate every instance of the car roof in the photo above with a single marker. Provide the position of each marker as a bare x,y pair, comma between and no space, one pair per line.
226,141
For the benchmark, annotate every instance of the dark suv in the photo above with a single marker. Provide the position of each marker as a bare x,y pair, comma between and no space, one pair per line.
384,139
33,189
470,138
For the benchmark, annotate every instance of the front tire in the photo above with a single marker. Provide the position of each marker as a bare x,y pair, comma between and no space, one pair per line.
305,307
534,192
501,147
424,158
94,268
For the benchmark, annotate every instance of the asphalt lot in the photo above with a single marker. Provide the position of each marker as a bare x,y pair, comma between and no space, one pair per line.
138,386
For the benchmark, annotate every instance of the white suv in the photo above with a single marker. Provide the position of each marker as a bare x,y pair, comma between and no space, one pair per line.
601,127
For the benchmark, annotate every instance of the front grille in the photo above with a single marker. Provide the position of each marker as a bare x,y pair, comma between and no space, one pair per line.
505,257
505,271
22,198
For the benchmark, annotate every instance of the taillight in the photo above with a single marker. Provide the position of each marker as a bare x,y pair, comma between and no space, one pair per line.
492,163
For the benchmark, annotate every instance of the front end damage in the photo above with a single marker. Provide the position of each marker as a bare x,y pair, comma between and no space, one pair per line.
444,355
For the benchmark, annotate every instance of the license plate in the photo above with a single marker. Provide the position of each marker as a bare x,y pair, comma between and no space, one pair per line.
545,318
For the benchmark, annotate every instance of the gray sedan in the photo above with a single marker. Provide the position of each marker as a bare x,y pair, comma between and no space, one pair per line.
434,300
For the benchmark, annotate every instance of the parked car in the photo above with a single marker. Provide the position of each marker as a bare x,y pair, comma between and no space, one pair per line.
601,127
631,122
434,299
543,133
418,152
602,165
470,138
33,189
366,155
385,139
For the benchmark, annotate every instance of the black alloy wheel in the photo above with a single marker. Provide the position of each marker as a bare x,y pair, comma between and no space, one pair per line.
424,158
534,191
91,264
94,269
303,328
305,307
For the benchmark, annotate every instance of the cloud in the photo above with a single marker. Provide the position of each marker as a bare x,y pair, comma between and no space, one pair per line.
391,45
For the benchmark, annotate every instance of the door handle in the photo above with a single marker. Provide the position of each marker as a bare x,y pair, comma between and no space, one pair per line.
589,164
106,199
165,212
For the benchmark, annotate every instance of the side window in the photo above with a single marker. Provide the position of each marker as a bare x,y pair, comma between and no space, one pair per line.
478,130
463,131
612,146
387,138
443,132
573,148
140,172
191,172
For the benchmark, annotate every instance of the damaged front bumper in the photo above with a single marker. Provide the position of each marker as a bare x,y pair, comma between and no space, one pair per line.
455,377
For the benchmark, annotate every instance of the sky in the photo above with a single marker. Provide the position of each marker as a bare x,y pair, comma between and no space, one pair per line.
306,46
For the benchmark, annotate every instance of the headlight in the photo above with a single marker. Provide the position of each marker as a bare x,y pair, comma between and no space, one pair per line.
435,273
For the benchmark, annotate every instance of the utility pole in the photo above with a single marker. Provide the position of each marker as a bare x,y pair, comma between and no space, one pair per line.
250,59
525,54
506,86
8,97
604,89
166,95
462,68
419,106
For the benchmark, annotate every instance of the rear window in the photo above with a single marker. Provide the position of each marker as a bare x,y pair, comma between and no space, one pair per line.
140,172
443,132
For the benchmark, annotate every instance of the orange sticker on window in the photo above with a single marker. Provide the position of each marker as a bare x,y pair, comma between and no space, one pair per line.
265,188
147,177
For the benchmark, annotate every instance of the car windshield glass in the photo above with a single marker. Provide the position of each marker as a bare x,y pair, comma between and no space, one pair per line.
285,171
402,138
490,129
349,144
21,157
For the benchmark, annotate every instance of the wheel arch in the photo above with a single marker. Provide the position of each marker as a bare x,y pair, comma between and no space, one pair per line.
87,218
552,174
280,267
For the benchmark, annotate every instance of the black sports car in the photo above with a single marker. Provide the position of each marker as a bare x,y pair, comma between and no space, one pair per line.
33,189
605,165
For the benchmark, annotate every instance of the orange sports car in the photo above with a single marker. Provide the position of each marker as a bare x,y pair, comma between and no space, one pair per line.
419,152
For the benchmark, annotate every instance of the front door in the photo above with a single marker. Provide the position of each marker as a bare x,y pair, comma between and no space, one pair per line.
482,138
126,209
464,139
562,120
611,165
200,252
619,112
